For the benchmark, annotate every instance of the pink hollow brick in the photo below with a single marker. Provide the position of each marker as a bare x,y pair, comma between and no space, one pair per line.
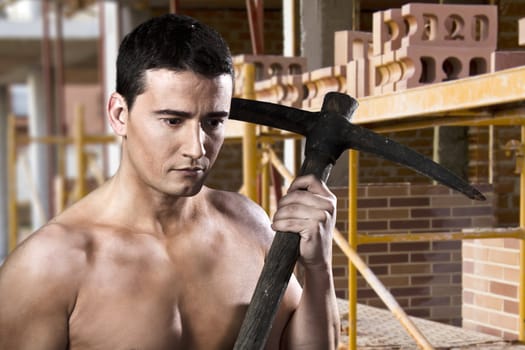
450,25
350,45
268,66
353,49
388,29
422,65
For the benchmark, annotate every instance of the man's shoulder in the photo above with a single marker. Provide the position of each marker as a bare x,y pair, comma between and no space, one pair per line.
248,216
237,204
54,253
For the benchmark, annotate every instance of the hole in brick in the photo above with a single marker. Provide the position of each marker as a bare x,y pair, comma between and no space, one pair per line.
309,90
406,27
429,27
411,25
259,71
428,70
451,67
275,69
407,67
480,30
381,75
395,72
454,26
477,65
393,30
295,69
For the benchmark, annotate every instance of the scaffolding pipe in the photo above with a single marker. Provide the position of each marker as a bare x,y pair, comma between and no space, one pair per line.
353,176
11,176
249,140
80,185
4,183
255,10
521,288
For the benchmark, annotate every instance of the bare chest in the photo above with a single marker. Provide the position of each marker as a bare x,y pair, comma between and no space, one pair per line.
176,298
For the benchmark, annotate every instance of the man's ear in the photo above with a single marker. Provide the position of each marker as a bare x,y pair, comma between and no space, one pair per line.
118,114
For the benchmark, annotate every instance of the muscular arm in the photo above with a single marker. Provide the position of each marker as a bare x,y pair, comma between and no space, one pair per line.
309,210
36,295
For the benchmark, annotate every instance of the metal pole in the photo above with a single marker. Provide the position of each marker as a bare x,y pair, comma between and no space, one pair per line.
174,6
249,140
521,295
11,176
255,10
353,175
4,181
265,182
80,186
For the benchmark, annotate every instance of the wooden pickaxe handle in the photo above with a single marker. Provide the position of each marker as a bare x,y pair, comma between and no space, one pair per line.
284,251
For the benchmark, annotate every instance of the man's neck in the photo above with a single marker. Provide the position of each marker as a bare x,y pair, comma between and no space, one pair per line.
147,209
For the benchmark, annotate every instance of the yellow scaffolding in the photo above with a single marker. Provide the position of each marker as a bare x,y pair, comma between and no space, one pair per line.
490,99
484,100
79,140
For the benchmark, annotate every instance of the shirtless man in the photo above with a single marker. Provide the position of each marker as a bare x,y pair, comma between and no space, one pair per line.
153,259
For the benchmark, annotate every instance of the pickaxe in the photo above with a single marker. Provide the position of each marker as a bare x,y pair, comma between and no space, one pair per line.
328,134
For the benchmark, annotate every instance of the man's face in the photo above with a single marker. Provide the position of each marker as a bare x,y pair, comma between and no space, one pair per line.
175,129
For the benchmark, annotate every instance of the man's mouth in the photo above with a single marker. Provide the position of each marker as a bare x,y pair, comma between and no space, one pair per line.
190,170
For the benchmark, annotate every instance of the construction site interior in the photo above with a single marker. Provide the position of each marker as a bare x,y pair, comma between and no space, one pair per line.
446,78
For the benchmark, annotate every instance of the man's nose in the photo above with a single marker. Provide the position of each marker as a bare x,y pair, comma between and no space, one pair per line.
194,142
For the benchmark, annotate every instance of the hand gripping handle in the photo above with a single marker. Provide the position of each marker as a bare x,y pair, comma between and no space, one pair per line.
284,250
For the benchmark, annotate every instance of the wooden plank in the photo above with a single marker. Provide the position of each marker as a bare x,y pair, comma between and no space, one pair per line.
487,90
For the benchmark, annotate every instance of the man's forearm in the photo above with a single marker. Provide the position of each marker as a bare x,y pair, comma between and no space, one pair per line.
315,323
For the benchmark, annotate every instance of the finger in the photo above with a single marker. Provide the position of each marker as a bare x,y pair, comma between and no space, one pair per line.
302,212
301,198
309,183
305,228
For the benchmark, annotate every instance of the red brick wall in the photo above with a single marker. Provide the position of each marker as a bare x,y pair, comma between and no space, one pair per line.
506,181
233,26
424,277
373,169
490,282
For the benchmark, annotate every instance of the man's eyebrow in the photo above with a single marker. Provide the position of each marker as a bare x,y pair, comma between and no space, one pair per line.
183,114
172,112
218,114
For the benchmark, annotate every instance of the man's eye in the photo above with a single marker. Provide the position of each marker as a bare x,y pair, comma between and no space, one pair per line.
172,121
214,123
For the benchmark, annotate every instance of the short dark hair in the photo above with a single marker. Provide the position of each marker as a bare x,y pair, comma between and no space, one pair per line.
174,42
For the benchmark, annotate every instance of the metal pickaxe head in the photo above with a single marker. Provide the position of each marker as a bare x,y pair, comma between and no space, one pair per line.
329,133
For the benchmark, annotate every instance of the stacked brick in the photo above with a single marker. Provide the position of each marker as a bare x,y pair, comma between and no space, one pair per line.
490,286
276,78
353,49
421,44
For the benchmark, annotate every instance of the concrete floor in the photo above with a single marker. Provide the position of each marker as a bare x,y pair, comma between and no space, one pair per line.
378,329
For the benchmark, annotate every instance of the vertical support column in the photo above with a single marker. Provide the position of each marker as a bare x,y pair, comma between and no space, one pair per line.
11,190
264,192
289,28
521,291
289,50
116,20
80,186
249,140
3,174
38,152
110,37
353,177
320,19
